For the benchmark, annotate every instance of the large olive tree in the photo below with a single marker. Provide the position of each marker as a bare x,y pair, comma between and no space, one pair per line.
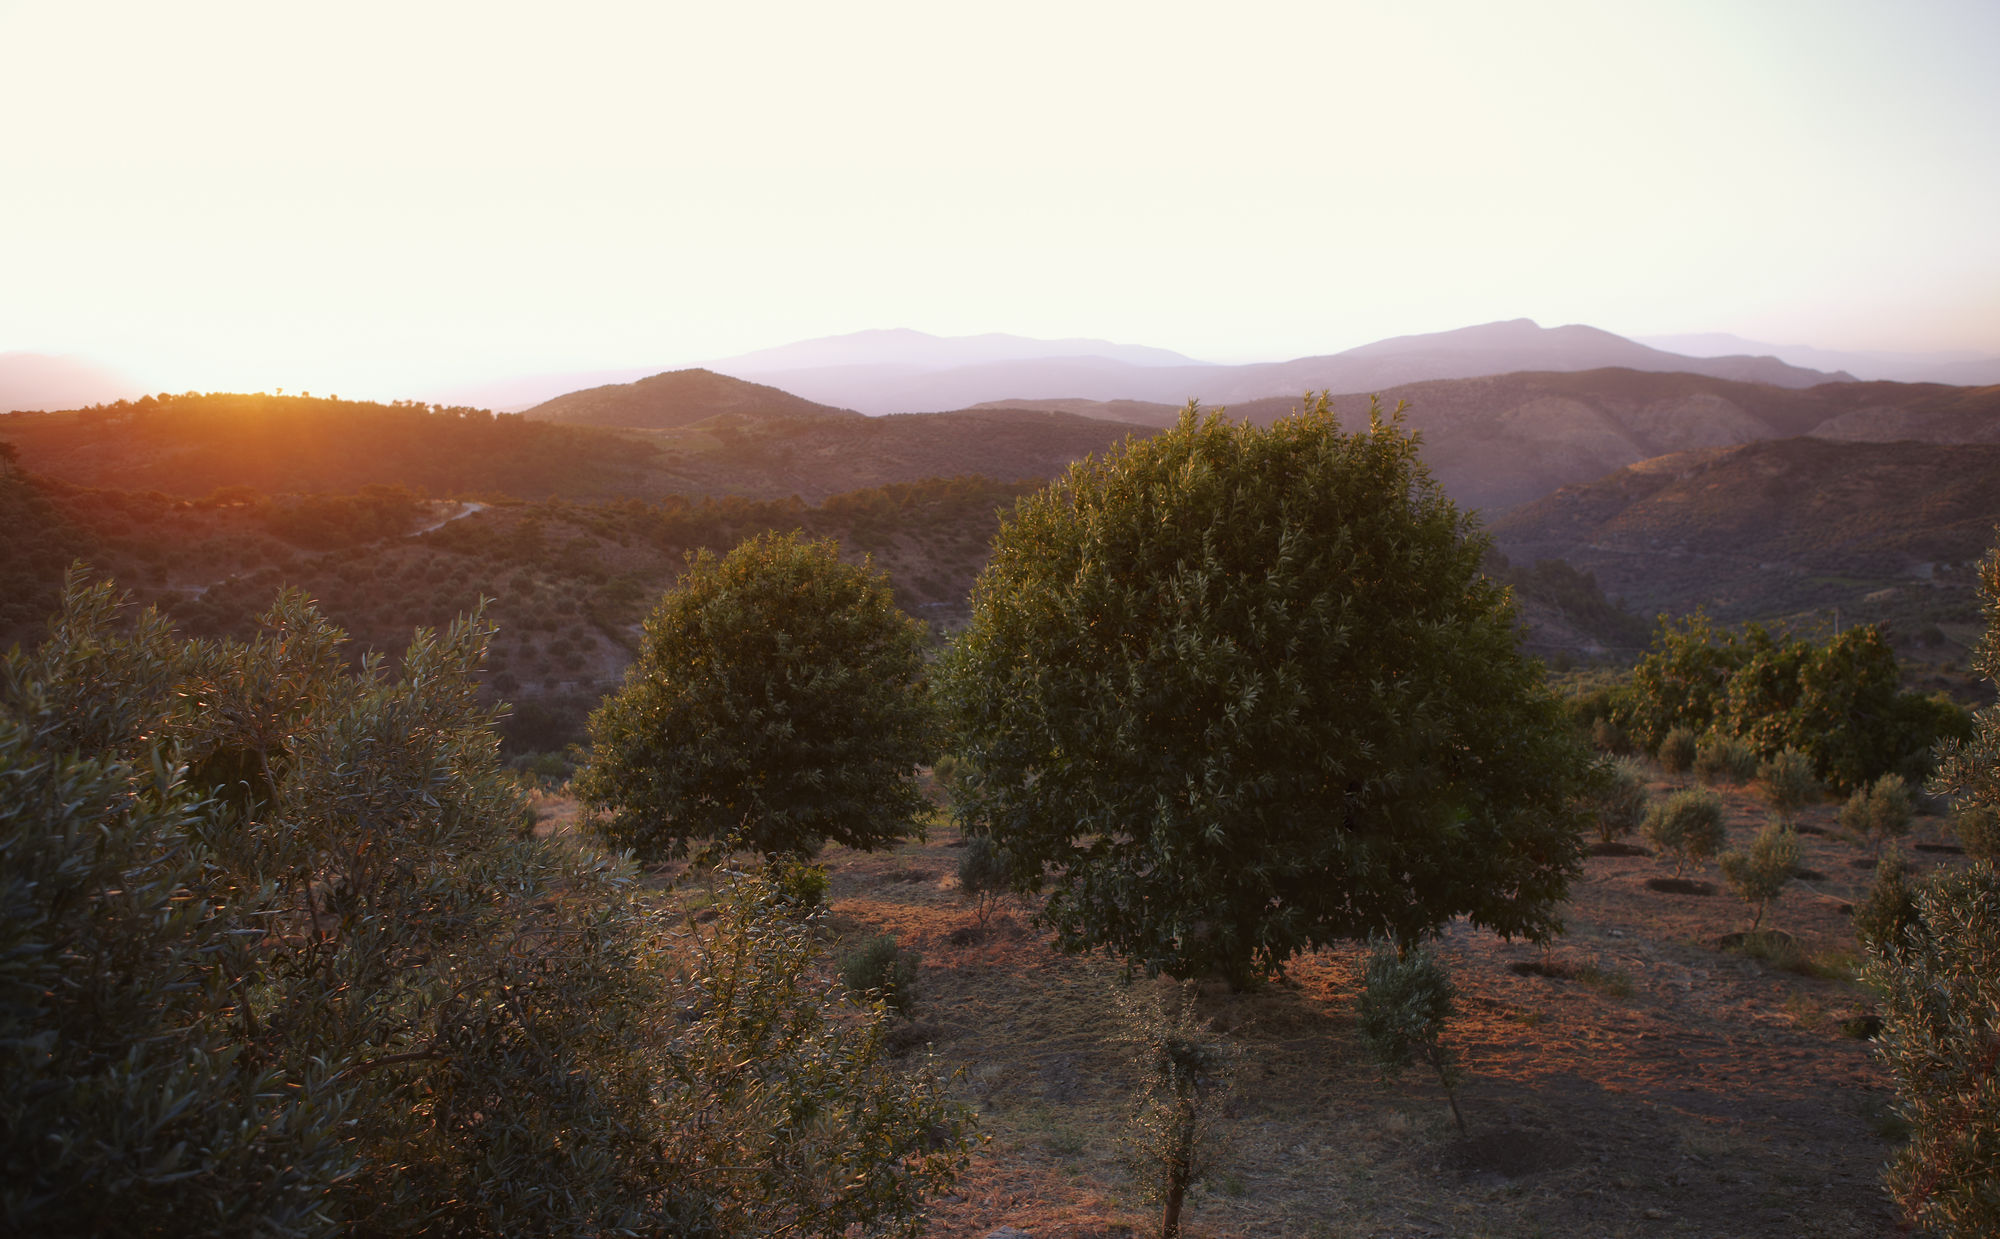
778,702
1233,693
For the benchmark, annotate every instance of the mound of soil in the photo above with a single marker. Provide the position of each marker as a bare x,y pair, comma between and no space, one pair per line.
1619,849
1943,849
1511,1153
1679,886
1808,875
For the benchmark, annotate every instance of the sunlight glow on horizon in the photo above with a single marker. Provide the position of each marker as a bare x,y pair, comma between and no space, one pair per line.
386,200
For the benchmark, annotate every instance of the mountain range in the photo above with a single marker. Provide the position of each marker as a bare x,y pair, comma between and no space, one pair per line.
909,372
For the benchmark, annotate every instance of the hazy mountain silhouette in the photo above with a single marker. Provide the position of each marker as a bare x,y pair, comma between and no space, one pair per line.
915,381
45,381
1964,367
678,398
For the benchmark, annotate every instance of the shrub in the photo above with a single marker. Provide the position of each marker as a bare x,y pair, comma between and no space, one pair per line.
1889,909
879,968
1941,1041
1879,812
1677,750
799,884
1185,1068
1406,1000
277,961
982,875
1606,736
1788,782
1758,874
1978,829
1719,758
1619,798
1687,824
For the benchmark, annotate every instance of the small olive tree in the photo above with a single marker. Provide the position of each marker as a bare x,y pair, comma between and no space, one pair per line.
1879,812
1406,1000
1759,872
1618,795
1185,1070
778,702
1687,825
1788,782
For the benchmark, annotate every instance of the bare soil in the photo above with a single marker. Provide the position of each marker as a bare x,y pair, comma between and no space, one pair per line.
1638,1079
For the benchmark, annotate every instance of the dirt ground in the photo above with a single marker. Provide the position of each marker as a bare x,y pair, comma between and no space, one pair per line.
1637,1080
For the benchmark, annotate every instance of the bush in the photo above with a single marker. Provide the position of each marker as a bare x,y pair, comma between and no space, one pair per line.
1890,908
1758,874
1406,1000
1978,829
1677,750
1687,824
1619,798
1788,782
1879,812
1185,1068
982,874
1719,758
1940,1040
1606,736
277,962
799,885
881,969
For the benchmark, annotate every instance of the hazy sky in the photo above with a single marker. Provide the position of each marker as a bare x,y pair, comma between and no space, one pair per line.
381,199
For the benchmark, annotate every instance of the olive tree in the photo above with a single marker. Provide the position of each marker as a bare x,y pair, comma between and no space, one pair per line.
277,958
777,702
1236,692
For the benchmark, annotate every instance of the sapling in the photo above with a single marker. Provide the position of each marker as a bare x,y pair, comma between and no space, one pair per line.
1758,873
1620,798
1687,824
1186,1066
982,875
1879,812
1677,749
1406,999
1788,782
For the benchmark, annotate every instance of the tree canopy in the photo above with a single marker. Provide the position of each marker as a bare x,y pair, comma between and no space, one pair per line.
1233,693
778,702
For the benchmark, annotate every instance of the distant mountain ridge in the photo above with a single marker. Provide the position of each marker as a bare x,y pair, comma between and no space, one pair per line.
896,382
1961,368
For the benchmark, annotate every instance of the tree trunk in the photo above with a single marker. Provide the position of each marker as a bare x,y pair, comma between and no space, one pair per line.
1180,1168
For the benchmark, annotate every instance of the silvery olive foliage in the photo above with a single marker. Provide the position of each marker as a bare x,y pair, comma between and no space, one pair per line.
279,959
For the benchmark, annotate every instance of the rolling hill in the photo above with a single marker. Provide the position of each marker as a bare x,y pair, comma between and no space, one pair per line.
1785,526
678,398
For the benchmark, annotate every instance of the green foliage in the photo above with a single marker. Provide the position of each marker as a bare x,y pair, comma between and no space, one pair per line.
1890,908
1940,988
1720,759
1606,736
275,960
1978,829
1788,783
1677,750
1969,768
1758,873
1406,1001
982,874
1879,812
879,968
1185,1068
1618,797
777,702
799,884
1687,825
1838,702
1238,692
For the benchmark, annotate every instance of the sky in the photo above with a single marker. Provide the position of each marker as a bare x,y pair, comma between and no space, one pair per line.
389,199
